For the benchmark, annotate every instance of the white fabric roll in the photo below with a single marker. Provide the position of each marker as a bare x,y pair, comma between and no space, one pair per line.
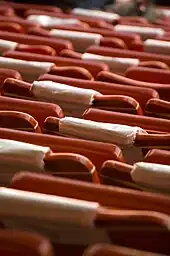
109,17
19,156
80,40
47,208
164,12
105,132
144,32
6,45
151,175
47,21
73,100
119,65
30,70
56,92
157,46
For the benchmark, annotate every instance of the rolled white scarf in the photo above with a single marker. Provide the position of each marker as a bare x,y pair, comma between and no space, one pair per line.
108,17
47,207
144,32
30,70
80,40
73,100
6,45
16,156
151,175
164,12
118,65
56,217
122,135
157,46
48,21
106,132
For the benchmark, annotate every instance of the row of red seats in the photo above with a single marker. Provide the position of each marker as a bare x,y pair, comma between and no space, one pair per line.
84,132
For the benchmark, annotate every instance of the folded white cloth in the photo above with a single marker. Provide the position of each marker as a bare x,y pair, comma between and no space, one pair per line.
16,156
30,70
144,32
108,17
62,220
80,40
157,46
48,207
151,175
105,132
121,135
118,65
6,45
47,21
73,100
